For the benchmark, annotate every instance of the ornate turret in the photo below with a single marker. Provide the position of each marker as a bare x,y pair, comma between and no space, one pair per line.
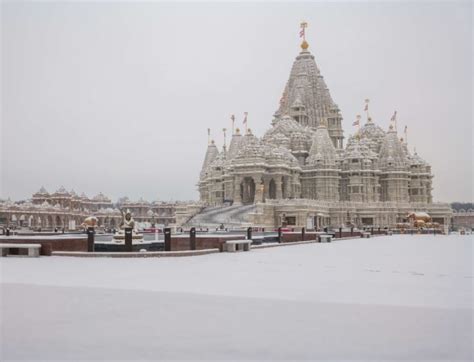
394,177
320,178
322,150
235,144
420,180
211,154
359,173
307,98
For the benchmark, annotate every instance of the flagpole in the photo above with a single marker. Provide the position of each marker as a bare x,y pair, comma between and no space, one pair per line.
225,143
367,107
245,122
394,120
208,136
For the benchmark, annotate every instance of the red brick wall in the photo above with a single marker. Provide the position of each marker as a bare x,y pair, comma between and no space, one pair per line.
48,246
290,237
179,243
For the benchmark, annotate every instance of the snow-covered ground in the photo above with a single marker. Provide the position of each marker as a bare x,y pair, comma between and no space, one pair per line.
385,298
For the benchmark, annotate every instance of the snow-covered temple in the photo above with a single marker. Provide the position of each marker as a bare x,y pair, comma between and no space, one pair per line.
301,173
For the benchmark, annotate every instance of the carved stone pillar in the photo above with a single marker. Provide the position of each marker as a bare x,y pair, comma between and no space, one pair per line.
237,198
266,189
259,189
278,184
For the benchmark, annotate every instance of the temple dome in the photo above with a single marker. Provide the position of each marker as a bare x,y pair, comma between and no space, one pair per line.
300,141
392,155
280,156
252,150
41,192
286,126
62,191
374,134
278,139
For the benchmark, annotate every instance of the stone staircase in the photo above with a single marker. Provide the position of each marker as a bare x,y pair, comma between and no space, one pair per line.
229,216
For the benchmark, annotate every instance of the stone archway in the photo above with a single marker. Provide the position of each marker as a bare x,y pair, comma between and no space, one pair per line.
31,221
247,191
58,222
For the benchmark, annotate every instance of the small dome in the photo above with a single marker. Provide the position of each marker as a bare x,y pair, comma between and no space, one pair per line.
392,155
286,125
278,139
280,156
42,191
373,134
300,141
62,191
252,150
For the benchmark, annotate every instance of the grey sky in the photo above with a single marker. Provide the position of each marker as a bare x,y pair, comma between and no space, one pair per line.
117,97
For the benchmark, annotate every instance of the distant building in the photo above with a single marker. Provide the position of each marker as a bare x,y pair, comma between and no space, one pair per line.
62,208
463,219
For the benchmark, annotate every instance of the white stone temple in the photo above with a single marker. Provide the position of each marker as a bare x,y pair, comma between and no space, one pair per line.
301,173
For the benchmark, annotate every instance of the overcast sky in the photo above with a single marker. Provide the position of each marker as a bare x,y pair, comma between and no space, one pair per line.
117,97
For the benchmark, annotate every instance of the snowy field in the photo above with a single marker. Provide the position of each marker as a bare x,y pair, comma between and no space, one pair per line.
385,298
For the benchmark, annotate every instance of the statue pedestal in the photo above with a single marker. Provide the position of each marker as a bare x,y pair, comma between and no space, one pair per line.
90,239
128,239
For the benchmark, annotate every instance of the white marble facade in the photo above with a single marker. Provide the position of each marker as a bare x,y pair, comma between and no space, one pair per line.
303,157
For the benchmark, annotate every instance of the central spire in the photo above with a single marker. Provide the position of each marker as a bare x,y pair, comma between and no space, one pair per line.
306,97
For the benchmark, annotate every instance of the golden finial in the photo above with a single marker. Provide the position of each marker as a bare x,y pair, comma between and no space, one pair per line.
303,26
237,130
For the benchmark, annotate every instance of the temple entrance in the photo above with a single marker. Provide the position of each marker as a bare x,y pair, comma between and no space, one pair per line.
247,191
272,190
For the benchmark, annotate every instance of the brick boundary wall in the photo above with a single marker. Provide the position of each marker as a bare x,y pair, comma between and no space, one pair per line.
134,254
273,245
48,246
181,243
